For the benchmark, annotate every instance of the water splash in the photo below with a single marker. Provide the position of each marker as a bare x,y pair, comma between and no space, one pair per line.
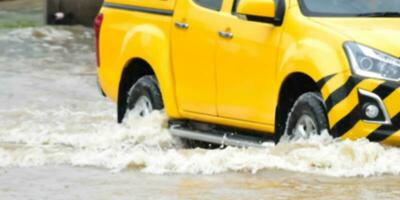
54,115
91,137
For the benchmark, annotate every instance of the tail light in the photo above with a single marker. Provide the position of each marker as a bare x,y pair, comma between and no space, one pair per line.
97,26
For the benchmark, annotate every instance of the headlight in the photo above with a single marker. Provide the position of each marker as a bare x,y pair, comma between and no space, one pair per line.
369,62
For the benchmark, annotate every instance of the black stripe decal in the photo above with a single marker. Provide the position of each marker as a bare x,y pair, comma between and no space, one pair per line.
349,121
139,9
341,93
385,89
385,131
321,83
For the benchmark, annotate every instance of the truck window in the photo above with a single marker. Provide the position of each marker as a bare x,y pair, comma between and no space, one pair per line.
210,4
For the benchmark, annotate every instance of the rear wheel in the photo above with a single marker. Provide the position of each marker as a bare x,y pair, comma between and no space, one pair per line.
307,117
144,97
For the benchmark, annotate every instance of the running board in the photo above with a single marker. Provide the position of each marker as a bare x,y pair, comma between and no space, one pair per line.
222,138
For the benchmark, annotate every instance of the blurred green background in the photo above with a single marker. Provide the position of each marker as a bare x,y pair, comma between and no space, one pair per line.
21,13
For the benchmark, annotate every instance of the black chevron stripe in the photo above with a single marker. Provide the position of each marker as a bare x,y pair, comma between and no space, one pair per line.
385,131
341,93
321,83
385,89
347,123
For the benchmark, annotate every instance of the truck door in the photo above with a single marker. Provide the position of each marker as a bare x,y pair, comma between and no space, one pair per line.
193,54
246,69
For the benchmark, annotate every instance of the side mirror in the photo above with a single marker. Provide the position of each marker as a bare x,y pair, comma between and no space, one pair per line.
257,8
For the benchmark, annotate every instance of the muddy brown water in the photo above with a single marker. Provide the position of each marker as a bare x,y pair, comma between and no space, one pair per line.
91,183
59,139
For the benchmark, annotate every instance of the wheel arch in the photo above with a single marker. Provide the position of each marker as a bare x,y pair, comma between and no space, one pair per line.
292,87
146,51
134,70
305,62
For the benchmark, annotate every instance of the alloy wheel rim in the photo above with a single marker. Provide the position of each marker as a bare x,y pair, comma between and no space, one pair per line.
143,106
305,127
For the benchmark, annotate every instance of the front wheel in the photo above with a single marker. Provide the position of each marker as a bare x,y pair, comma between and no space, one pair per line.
307,117
144,97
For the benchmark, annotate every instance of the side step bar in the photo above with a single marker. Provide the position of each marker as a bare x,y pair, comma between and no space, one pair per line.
223,138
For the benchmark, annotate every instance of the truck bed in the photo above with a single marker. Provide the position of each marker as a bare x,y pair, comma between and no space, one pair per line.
121,21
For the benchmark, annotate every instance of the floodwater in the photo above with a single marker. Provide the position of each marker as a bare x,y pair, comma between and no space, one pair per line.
59,138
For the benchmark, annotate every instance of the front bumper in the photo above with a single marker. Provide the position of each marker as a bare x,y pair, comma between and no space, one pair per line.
341,93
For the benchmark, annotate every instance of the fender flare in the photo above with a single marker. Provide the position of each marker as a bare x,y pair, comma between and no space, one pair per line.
312,57
151,44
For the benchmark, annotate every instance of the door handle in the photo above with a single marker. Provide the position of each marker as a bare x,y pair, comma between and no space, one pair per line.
227,35
181,25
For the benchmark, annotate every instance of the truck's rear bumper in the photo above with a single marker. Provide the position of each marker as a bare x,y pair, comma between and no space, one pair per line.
346,98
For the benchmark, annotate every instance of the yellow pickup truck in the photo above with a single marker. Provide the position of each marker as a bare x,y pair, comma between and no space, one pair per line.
240,71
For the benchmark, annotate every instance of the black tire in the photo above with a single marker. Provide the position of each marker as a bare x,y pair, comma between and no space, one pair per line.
147,86
310,105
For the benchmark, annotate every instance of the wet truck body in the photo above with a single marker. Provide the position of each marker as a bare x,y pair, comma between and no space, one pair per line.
268,67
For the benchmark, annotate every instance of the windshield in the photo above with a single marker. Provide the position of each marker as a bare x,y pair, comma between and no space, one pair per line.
351,8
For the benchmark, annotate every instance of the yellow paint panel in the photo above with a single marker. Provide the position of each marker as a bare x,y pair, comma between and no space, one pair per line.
245,83
360,130
193,57
392,103
262,8
393,139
